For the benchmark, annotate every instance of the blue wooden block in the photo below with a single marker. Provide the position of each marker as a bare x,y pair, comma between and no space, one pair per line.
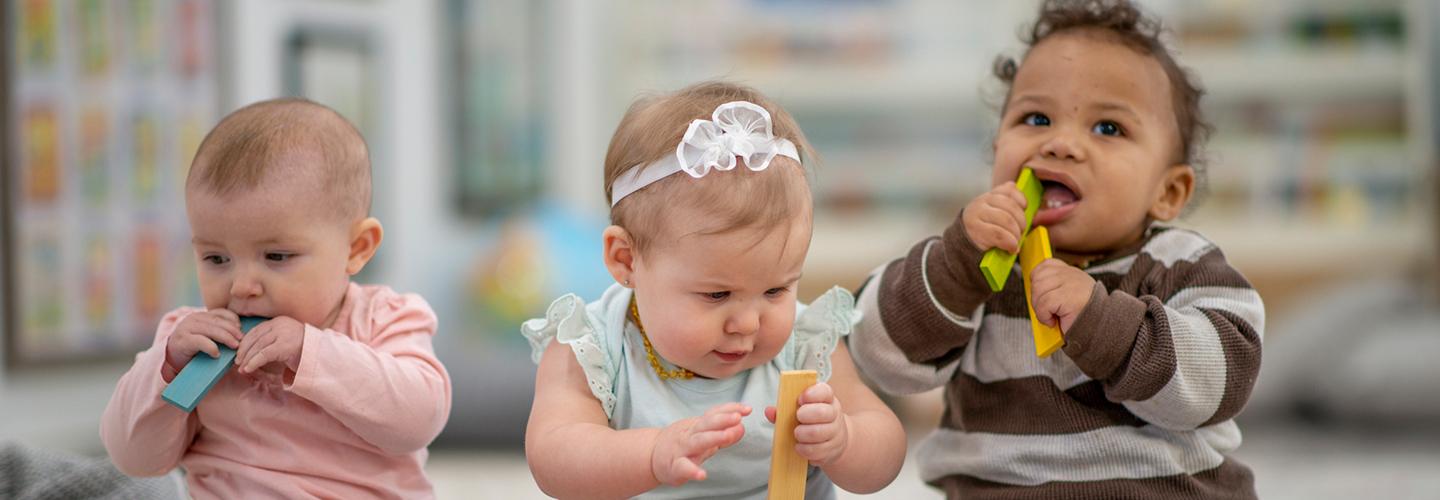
203,371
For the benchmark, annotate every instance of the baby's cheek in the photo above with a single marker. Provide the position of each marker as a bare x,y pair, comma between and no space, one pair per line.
772,342
681,343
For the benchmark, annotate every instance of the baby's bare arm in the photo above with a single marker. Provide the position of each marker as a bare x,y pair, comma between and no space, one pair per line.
876,443
572,451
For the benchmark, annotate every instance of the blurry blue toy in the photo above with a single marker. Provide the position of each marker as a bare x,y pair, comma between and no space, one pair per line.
203,371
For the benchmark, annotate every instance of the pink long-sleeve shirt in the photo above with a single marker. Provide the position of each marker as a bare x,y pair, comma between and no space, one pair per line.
368,397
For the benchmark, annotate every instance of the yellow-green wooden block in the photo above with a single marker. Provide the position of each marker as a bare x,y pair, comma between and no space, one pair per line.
997,263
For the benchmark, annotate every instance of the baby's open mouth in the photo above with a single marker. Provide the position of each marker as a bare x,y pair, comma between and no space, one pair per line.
1057,201
1056,195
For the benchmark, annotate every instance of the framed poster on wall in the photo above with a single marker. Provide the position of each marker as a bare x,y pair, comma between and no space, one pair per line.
104,106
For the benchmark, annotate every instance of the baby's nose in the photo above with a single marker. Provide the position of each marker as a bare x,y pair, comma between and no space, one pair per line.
245,284
744,322
1062,145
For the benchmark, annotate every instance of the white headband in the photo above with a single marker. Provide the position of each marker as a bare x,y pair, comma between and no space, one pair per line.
736,128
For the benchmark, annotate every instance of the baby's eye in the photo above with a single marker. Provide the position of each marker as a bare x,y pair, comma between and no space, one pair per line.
277,256
715,296
1035,120
775,292
1109,128
215,260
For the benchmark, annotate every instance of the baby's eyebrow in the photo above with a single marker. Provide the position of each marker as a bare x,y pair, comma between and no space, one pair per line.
273,240
1116,106
1032,98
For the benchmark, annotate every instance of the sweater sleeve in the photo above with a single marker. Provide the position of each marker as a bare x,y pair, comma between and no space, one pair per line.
919,312
1185,351
144,435
390,390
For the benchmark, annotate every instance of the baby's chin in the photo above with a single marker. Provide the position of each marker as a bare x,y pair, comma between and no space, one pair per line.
1074,244
724,371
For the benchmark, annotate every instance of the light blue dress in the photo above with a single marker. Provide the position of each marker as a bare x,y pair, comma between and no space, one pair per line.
608,347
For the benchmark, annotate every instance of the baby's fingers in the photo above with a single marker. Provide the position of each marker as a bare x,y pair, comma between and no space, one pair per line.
225,314
253,343
217,329
221,333
683,470
1010,220
700,443
996,227
720,417
258,359
190,345
816,413
741,408
1012,192
819,393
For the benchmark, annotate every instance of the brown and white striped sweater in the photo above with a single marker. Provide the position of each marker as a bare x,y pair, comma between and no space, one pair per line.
1137,405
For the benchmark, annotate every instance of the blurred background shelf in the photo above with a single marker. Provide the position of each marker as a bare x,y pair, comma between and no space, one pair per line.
1300,75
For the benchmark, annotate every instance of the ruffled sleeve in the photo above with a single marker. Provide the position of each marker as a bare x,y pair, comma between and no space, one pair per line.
818,328
568,320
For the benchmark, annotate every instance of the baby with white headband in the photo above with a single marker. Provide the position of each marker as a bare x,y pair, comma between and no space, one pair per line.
649,390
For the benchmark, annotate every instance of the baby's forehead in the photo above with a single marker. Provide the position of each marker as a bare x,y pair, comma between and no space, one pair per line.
268,215
283,194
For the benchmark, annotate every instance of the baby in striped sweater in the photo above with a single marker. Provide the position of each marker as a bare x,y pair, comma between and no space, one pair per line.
1162,336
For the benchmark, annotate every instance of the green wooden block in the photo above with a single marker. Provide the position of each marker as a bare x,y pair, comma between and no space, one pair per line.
997,263
202,372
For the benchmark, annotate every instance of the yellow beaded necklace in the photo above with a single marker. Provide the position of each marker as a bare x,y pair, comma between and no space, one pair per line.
660,371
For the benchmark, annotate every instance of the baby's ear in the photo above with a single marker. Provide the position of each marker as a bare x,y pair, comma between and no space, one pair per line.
1177,184
365,238
619,254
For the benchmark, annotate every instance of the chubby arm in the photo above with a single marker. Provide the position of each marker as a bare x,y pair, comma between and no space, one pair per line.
573,452
143,435
875,441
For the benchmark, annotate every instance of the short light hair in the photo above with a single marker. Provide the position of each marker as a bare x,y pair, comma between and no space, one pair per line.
742,199
252,142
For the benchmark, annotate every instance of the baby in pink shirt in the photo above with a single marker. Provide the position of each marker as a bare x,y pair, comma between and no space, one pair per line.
339,393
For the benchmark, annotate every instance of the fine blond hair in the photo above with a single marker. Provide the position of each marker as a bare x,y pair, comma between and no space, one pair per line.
739,198
293,136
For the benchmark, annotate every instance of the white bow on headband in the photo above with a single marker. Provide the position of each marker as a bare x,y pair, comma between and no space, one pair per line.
736,128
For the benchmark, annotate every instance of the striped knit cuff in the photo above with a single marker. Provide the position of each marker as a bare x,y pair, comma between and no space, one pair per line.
956,279
1103,335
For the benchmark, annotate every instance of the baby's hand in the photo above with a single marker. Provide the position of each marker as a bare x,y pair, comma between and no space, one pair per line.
822,433
278,340
685,444
996,219
1059,290
196,333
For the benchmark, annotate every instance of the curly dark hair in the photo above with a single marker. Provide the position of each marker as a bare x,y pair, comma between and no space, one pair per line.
1133,28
